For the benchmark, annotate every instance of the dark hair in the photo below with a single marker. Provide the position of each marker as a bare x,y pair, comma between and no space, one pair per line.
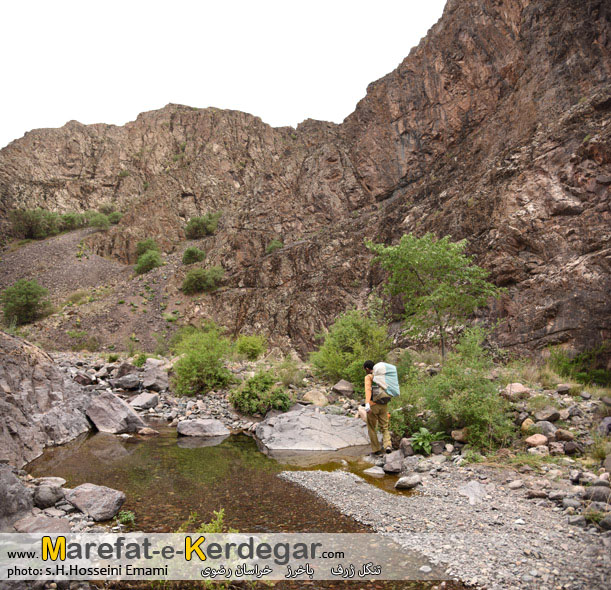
368,365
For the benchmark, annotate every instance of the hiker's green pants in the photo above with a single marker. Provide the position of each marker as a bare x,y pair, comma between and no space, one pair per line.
378,414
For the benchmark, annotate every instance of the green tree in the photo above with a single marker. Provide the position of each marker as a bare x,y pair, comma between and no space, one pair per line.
146,245
354,338
439,284
198,227
148,261
192,255
24,302
199,280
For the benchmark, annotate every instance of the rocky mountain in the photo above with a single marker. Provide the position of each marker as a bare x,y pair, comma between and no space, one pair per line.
495,128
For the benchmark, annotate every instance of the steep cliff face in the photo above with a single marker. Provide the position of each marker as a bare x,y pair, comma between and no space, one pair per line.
495,129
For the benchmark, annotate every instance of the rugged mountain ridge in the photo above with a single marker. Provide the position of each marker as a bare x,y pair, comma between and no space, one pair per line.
495,128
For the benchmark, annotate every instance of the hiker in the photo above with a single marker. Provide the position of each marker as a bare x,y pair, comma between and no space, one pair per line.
377,411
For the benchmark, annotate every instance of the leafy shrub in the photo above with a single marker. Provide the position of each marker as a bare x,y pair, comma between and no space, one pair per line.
354,338
273,246
216,525
192,255
126,517
252,347
259,394
145,246
71,221
35,224
113,357
587,367
148,261
114,217
199,280
24,301
140,360
200,367
99,220
421,440
407,410
405,367
206,225
462,395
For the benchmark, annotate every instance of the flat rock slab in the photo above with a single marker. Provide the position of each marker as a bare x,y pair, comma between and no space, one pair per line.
99,502
309,429
375,471
111,414
200,427
42,524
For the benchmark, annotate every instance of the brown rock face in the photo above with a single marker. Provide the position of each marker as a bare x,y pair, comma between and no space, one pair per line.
495,129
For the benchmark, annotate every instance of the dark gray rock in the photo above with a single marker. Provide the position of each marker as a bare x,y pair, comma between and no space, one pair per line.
200,427
605,523
125,369
405,446
547,428
578,520
15,499
573,447
46,496
129,381
604,428
111,414
571,503
99,502
438,447
548,414
597,494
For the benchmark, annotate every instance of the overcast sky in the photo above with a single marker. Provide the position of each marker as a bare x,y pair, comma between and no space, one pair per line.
285,61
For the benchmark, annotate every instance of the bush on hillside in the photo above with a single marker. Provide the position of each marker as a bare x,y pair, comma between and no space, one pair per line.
71,221
252,347
201,368
354,338
114,217
192,255
201,280
148,261
146,246
199,227
35,224
259,394
99,220
24,302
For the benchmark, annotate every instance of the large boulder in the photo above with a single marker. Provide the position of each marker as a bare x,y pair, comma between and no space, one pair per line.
15,498
316,397
99,502
111,414
129,381
408,482
39,405
310,429
46,495
548,414
155,378
536,440
201,427
343,387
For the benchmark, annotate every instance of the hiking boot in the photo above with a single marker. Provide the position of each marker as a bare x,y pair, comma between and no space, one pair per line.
388,450
377,453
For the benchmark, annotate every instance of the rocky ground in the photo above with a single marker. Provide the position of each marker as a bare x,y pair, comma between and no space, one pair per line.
491,527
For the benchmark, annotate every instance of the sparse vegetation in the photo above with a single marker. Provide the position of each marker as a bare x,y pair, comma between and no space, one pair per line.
200,280
99,220
192,255
148,261
114,217
126,517
113,357
274,245
289,373
199,227
251,346
145,246
24,302
586,367
259,394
